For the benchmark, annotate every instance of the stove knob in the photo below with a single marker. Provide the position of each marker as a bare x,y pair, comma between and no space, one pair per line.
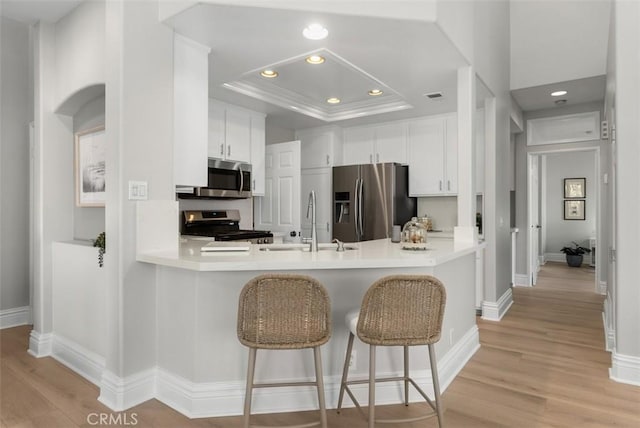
260,241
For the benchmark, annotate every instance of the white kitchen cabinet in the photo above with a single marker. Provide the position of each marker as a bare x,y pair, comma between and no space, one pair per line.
375,144
190,88
258,154
359,145
229,132
320,180
432,154
320,147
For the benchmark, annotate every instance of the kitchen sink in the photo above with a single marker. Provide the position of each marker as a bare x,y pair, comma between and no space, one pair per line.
304,247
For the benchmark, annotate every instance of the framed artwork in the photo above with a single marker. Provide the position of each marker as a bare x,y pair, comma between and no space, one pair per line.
574,210
575,188
90,160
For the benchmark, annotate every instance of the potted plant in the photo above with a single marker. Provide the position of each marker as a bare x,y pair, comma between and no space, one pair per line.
101,243
574,254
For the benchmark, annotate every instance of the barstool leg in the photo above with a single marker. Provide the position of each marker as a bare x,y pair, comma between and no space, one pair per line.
372,386
247,396
406,375
436,383
345,371
320,385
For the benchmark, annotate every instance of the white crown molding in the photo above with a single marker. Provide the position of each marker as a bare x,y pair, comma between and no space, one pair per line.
495,311
14,317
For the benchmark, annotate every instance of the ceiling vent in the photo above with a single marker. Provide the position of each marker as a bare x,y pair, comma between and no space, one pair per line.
436,96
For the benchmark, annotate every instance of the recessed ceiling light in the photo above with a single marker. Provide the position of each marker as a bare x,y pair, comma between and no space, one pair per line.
315,59
269,73
558,93
333,100
315,32
375,92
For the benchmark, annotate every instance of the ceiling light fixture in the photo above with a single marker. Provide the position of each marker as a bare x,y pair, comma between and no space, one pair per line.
333,100
375,92
269,73
315,32
558,93
315,59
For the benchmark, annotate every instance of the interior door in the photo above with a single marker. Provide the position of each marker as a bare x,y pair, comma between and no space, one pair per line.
534,218
279,209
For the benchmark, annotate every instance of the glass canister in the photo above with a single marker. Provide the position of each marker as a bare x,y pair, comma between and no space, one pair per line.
414,235
426,220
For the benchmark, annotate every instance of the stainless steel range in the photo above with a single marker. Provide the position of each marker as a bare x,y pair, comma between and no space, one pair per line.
222,226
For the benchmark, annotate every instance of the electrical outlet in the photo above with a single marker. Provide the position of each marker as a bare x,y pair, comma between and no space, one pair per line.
352,361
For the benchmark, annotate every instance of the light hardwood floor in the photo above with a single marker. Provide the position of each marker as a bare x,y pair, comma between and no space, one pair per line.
543,365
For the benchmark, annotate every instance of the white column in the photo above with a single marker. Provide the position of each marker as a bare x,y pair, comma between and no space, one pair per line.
465,231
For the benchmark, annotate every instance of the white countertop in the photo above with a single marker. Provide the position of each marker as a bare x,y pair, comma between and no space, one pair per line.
370,254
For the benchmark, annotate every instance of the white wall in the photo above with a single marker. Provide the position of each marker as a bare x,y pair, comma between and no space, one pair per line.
80,55
626,68
14,165
556,41
277,134
561,232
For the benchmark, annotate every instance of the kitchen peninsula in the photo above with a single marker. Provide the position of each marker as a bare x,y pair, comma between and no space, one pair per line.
201,366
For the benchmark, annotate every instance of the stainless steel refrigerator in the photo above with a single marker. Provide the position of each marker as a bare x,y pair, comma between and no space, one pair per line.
369,199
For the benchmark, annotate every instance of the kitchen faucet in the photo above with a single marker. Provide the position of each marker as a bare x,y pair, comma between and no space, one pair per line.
311,207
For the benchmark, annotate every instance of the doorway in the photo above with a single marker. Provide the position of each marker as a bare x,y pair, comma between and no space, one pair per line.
551,226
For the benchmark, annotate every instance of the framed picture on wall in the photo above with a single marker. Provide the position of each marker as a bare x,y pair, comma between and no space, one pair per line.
574,210
575,188
90,160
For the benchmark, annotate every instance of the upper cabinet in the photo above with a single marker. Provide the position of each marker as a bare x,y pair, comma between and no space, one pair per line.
320,147
190,88
229,132
258,154
433,156
238,134
375,144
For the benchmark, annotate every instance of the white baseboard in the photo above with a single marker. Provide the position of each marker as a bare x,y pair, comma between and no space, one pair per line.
522,281
625,368
86,363
198,400
556,257
14,317
123,393
494,311
609,333
40,344
602,287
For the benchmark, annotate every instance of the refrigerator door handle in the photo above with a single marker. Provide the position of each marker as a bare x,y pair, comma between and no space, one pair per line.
355,208
360,211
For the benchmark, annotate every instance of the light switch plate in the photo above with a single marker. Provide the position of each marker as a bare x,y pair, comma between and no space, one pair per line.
138,191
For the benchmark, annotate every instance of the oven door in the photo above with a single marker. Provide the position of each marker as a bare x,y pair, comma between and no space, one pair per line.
227,180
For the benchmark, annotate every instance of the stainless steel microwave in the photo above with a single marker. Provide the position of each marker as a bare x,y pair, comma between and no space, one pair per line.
226,180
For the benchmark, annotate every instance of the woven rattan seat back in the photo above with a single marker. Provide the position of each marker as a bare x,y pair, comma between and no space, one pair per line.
402,310
283,311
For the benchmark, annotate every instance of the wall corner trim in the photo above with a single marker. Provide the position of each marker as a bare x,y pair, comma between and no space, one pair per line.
625,368
40,344
494,311
14,317
120,394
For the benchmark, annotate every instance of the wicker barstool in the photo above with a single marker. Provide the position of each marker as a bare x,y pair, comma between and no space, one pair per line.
280,311
398,310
